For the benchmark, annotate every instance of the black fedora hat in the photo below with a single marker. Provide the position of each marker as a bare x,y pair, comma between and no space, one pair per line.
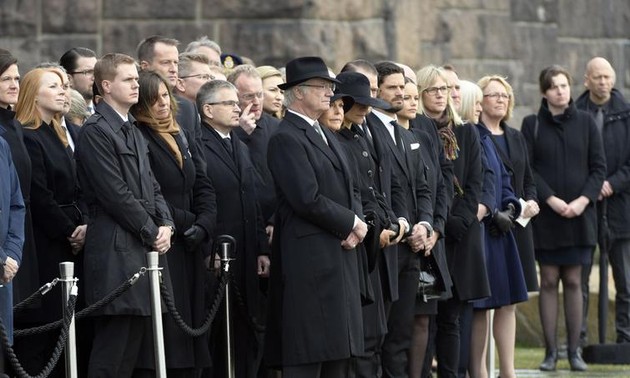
357,86
305,68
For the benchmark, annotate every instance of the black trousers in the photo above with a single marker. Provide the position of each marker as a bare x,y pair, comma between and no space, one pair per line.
400,318
326,369
116,347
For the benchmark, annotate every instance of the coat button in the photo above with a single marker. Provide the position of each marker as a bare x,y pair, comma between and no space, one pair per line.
365,154
355,136
370,173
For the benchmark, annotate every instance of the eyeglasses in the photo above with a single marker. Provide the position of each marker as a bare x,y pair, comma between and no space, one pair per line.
251,96
496,96
456,87
230,103
84,72
330,86
204,77
432,91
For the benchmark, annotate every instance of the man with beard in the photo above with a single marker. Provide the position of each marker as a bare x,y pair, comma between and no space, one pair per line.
79,64
404,148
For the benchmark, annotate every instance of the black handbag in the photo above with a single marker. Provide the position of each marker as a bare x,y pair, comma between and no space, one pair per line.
430,285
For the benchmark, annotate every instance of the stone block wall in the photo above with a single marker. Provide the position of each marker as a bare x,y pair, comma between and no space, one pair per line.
514,38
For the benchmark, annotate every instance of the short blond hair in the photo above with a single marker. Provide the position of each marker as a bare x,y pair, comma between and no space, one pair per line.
486,80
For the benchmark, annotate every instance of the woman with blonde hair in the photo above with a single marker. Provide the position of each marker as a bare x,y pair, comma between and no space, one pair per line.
463,245
500,207
274,96
56,204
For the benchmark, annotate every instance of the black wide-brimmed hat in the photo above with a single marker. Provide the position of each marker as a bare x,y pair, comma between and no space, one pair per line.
357,86
305,68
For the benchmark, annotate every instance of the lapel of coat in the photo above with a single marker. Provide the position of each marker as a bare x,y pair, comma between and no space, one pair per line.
315,138
214,143
378,128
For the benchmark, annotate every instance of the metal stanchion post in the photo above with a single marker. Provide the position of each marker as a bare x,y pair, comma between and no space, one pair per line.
227,243
68,283
156,311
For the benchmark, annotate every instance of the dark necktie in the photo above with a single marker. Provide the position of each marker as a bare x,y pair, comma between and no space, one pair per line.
227,142
126,128
399,142
599,119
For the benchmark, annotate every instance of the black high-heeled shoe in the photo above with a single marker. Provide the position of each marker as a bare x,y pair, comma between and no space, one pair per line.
549,363
576,361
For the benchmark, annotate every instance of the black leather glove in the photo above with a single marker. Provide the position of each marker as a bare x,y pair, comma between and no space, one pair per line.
194,236
502,221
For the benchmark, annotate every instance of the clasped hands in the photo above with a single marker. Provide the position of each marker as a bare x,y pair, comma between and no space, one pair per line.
356,235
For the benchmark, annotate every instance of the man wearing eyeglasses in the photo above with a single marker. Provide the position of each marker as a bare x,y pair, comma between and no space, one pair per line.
194,71
79,64
256,127
238,215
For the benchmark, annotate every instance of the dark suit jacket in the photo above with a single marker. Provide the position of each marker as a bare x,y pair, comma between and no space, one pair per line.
257,143
407,167
238,212
126,209
315,307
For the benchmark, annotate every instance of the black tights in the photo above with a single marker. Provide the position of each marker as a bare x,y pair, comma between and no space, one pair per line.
550,276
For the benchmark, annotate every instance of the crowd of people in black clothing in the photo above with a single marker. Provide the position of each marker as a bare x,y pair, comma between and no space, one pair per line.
379,213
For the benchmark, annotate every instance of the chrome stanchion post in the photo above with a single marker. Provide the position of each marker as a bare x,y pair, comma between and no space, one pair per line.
227,245
68,284
156,311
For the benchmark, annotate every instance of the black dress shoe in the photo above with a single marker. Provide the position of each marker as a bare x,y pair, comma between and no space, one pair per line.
576,361
549,363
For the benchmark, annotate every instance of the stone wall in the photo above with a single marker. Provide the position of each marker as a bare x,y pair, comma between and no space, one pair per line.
514,38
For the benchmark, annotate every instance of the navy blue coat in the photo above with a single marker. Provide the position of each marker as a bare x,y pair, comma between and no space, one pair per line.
505,273
12,213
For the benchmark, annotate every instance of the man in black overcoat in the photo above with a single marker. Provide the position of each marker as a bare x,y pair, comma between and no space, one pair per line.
612,117
128,218
314,325
238,214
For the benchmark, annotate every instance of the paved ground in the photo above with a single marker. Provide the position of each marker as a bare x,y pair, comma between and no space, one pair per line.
568,373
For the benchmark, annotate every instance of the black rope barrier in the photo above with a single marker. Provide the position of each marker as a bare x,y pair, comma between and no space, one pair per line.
35,296
242,306
61,342
201,330
86,311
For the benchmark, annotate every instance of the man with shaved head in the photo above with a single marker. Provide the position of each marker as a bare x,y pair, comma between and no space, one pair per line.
612,117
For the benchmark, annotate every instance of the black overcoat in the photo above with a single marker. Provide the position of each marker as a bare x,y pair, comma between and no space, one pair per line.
126,208
464,248
567,159
238,211
314,301
190,197
56,206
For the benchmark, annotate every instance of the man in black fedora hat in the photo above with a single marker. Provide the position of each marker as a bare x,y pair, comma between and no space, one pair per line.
314,325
